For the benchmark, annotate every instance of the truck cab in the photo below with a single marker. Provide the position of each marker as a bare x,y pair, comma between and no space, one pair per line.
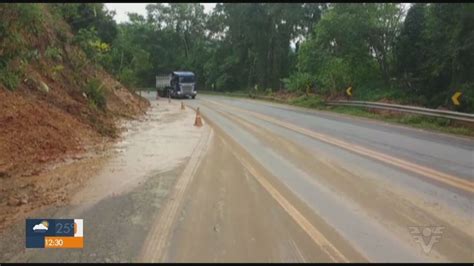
183,84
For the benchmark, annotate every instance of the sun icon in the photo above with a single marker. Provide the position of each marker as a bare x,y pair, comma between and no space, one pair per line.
45,223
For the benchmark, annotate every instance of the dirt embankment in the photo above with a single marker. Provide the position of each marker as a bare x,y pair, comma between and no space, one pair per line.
36,128
49,116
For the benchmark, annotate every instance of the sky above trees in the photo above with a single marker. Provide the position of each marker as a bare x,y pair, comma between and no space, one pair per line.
122,9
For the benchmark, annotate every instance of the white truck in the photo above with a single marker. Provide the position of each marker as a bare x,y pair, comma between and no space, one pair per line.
178,84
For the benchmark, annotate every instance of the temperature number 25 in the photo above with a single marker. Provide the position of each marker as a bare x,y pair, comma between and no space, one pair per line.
64,228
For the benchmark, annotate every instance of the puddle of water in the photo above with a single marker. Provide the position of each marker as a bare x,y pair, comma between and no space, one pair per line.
160,142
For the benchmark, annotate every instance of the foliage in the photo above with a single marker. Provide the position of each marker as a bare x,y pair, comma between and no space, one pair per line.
10,79
13,47
53,53
299,82
55,70
95,93
308,101
350,46
420,55
91,44
87,16
417,60
27,16
435,51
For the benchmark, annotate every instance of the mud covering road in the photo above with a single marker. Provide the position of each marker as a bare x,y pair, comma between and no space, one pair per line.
237,212
263,182
123,189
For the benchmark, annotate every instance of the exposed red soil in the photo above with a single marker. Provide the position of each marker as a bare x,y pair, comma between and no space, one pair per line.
40,129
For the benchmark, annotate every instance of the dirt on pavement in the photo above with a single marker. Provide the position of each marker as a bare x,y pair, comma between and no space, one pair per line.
41,136
117,191
359,186
228,216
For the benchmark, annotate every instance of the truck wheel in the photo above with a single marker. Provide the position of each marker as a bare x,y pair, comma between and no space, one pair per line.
194,96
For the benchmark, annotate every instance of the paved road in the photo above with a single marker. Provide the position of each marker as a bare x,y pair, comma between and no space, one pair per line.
263,182
376,184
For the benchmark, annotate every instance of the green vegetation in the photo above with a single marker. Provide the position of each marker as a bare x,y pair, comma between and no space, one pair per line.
411,54
417,54
53,53
95,94
308,101
88,16
299,82
29,17
9,78
12,45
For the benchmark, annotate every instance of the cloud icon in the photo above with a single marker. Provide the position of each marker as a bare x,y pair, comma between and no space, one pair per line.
42,227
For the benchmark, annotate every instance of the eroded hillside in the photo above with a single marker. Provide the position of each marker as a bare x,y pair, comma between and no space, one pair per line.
54,101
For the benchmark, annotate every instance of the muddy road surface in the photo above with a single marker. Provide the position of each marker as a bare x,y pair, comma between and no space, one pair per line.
264,182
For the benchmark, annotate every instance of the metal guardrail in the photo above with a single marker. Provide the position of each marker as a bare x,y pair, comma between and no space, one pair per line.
409,109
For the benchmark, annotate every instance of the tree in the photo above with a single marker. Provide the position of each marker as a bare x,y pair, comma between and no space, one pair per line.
238,46
87,16
338,52
410,45
384,27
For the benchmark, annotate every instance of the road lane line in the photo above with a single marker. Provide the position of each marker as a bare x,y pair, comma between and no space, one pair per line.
155,247
319,239
424,171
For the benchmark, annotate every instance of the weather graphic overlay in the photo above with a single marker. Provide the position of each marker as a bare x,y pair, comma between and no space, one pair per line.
54,233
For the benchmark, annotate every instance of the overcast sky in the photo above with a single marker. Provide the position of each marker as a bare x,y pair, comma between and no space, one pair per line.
122,9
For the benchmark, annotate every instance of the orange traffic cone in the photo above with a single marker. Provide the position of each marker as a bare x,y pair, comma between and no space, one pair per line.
182,105
198,122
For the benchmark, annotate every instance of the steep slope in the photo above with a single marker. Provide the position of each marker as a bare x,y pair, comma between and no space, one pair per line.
54,101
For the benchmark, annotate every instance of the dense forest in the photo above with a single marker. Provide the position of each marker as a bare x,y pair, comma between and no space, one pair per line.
419,53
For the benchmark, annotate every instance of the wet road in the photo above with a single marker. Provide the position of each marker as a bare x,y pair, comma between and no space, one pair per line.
118,200
263,182
378,185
